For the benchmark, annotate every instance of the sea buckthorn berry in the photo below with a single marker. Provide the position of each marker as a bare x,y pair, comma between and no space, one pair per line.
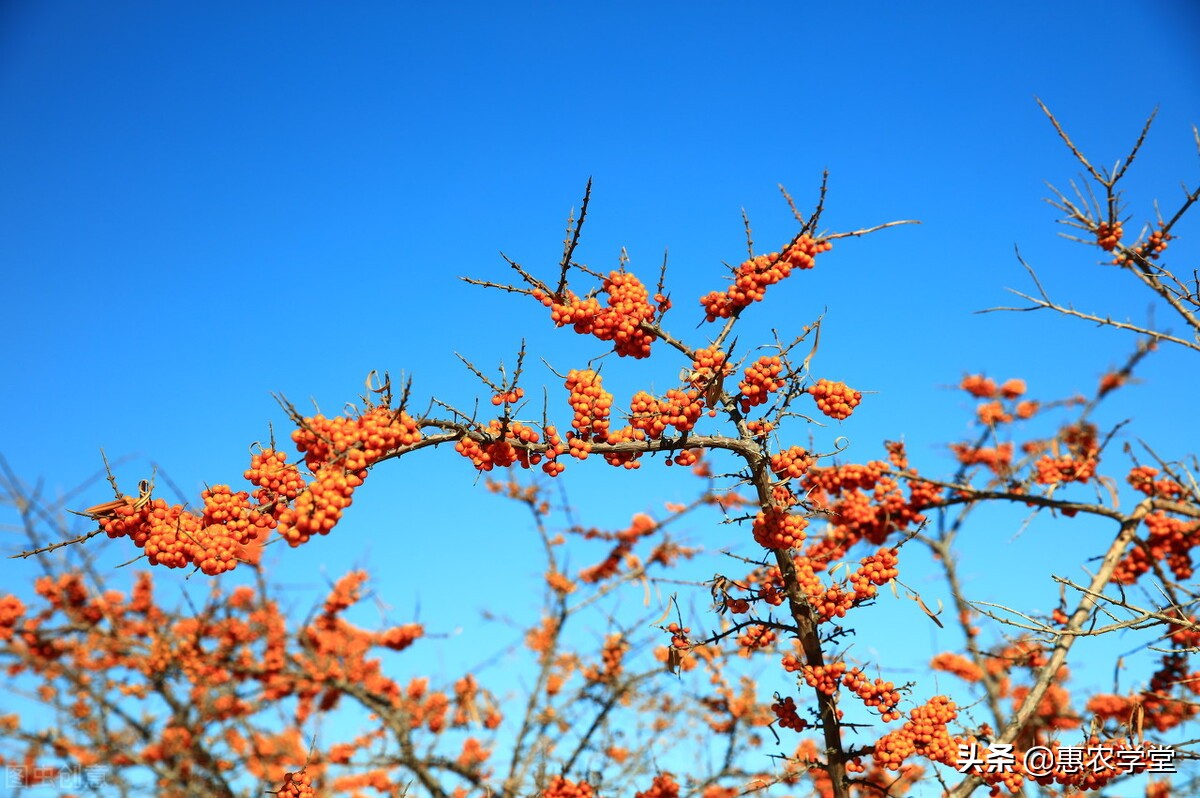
621,322
760,381
275,478
878,569
399,638
785,711
578,447
664,786
1112,381
504,444
792,463
295,785
979,386
957,665
1054,470
1142,478
679,635
755,637
835,399
752,278
355,442
688,457
823,678
1108,235
591,403
1013,388
680,409
779,529
993,413
628,460
508,397
878,694
759,429
561,787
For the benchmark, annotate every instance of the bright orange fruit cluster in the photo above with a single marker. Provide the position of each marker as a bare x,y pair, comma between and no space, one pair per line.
1108,235
779,529
679,409
592,405
562,787
880,695
752,278
761,379
793,462
620,322
504,447
924,733
664,786
835,399
789,718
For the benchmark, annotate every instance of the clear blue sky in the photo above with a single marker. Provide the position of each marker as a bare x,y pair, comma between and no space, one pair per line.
203,204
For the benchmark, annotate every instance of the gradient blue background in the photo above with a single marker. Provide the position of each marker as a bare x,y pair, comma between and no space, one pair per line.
204,204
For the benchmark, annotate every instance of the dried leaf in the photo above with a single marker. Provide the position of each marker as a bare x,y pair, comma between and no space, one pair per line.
674,660
932,615
666,612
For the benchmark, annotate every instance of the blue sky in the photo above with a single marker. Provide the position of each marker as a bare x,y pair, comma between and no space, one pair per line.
202,205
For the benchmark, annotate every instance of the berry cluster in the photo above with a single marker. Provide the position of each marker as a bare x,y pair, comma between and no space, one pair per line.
171,536
925,734
755,637
785,711
835,399
979,386
762,378
778,529
1055,470
992,413
295,785
680,409
620,322
687,457
628,460
679,635
277,480
629,308
399,638
664,786
752,278
1167,539
792,463
878,569
355,442
957,664
708,374
760,429
1108,235
508,397
561,787
826,602
1154,247
824,678
879,694
592,405
612,657
1142,478
502,447
318,509
997,459
554,447
1110,382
